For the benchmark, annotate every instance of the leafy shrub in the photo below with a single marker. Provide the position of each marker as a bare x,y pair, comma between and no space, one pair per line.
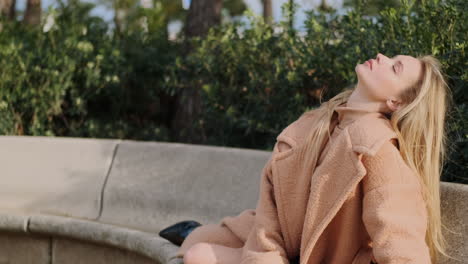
75,79
78,80
256,81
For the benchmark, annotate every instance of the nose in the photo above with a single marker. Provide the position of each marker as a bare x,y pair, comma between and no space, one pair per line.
380,57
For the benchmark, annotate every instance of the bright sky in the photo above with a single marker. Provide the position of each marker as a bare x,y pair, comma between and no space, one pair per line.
255,5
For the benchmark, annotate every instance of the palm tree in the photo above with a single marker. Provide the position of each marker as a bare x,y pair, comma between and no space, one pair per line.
7,8
325,7
202,15
32,16
267,11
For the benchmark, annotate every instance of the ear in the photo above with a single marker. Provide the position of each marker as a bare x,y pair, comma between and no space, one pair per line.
393,104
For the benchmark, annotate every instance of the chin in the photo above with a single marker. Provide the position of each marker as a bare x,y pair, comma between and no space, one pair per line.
360,71
361,66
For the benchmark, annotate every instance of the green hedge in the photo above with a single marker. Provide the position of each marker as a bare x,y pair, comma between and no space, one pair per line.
257,82
76,80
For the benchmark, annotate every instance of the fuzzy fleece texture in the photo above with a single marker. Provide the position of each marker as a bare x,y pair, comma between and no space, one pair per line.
360,202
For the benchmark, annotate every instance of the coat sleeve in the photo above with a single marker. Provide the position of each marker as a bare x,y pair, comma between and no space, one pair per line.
265,243
394,211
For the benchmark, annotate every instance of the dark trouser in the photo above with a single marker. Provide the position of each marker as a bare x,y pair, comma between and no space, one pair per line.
294,261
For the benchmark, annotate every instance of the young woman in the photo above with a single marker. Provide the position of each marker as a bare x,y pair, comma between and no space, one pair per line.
353,181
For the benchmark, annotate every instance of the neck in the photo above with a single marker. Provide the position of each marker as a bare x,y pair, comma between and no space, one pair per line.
359,100
356,107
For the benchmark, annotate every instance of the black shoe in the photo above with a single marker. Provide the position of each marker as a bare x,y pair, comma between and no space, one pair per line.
177,233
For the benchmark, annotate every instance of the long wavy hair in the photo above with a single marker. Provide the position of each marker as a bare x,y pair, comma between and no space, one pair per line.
420,127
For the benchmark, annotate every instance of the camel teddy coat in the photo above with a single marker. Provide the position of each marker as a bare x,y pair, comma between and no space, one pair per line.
359,203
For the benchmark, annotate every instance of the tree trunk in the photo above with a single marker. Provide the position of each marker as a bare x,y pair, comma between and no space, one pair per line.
324,6
118,21
32,16
267,11
202,15
7,8
186,126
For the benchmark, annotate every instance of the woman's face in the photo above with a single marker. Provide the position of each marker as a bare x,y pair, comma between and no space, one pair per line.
384,78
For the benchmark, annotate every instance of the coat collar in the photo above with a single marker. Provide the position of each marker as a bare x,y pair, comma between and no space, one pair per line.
367,129
363,135
349,114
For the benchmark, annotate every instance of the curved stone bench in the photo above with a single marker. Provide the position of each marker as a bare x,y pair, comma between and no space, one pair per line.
75,200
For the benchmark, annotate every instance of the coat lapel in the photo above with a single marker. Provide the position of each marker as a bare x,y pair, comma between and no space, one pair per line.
317,198
331,184
291,185
311,197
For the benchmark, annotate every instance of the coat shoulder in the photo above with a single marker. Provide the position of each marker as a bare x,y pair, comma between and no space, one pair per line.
366,135
298,130
369,133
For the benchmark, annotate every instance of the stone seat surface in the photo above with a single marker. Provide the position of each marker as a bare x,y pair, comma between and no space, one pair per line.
121,193
54,175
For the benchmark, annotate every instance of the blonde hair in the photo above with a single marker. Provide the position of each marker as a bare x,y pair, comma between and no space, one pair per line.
420,128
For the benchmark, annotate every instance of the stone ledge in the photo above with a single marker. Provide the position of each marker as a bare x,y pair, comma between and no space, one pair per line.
147,244
144,180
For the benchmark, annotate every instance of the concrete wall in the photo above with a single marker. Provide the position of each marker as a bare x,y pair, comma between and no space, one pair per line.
104,201
35,249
